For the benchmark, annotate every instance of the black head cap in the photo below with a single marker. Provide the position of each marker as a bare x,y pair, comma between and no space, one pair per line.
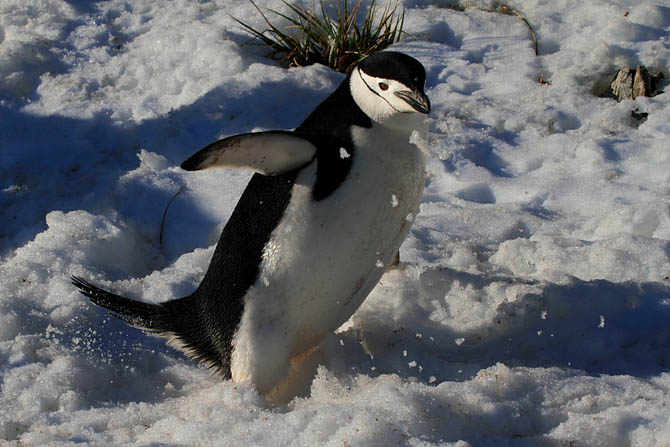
394,65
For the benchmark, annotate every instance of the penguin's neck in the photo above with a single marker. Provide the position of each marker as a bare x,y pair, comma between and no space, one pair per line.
335,115
339,112
403,124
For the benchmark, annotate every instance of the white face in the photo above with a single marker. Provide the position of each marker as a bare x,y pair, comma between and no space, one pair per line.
379,99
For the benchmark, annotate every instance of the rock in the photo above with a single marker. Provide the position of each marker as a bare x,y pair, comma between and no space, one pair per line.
629,84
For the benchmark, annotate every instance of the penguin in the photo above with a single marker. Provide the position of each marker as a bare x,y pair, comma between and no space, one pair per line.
325,212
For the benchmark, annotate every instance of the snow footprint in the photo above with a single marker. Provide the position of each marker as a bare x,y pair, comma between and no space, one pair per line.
478,193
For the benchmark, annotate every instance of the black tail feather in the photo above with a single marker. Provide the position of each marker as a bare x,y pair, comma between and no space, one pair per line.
149,317
179,319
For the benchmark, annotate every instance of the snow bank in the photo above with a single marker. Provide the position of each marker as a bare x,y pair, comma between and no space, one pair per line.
531,304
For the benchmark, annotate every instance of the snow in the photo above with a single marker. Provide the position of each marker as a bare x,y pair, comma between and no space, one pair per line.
532,301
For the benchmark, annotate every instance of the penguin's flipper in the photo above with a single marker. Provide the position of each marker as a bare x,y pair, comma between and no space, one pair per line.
269,153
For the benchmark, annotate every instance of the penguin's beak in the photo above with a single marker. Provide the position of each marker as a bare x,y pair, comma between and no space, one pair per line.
418,100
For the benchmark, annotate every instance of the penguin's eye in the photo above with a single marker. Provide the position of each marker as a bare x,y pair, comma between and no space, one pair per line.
383,86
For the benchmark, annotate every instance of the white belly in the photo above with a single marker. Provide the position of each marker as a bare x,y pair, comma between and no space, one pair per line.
324,257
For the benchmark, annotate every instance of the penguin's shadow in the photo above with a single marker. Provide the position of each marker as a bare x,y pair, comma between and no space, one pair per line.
62,163
599,327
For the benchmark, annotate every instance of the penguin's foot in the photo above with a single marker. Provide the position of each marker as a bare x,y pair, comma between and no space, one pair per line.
396,261
298,381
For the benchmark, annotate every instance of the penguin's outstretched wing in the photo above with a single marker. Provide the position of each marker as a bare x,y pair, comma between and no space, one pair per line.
268,153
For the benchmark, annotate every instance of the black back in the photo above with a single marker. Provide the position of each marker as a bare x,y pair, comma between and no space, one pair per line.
218,301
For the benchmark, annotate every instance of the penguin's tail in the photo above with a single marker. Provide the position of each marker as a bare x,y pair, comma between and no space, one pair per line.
149,317
176,319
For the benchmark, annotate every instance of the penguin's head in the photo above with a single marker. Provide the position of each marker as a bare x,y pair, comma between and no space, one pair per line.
388,86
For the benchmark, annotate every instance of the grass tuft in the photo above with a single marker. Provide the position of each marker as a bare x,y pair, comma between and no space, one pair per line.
508,10
338,41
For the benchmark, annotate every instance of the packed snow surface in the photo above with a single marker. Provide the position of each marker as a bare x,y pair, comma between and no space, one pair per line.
532,302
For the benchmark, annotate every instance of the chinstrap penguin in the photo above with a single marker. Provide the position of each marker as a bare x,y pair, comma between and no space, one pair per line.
324,214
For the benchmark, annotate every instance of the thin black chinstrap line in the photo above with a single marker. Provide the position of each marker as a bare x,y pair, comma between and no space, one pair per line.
370,88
